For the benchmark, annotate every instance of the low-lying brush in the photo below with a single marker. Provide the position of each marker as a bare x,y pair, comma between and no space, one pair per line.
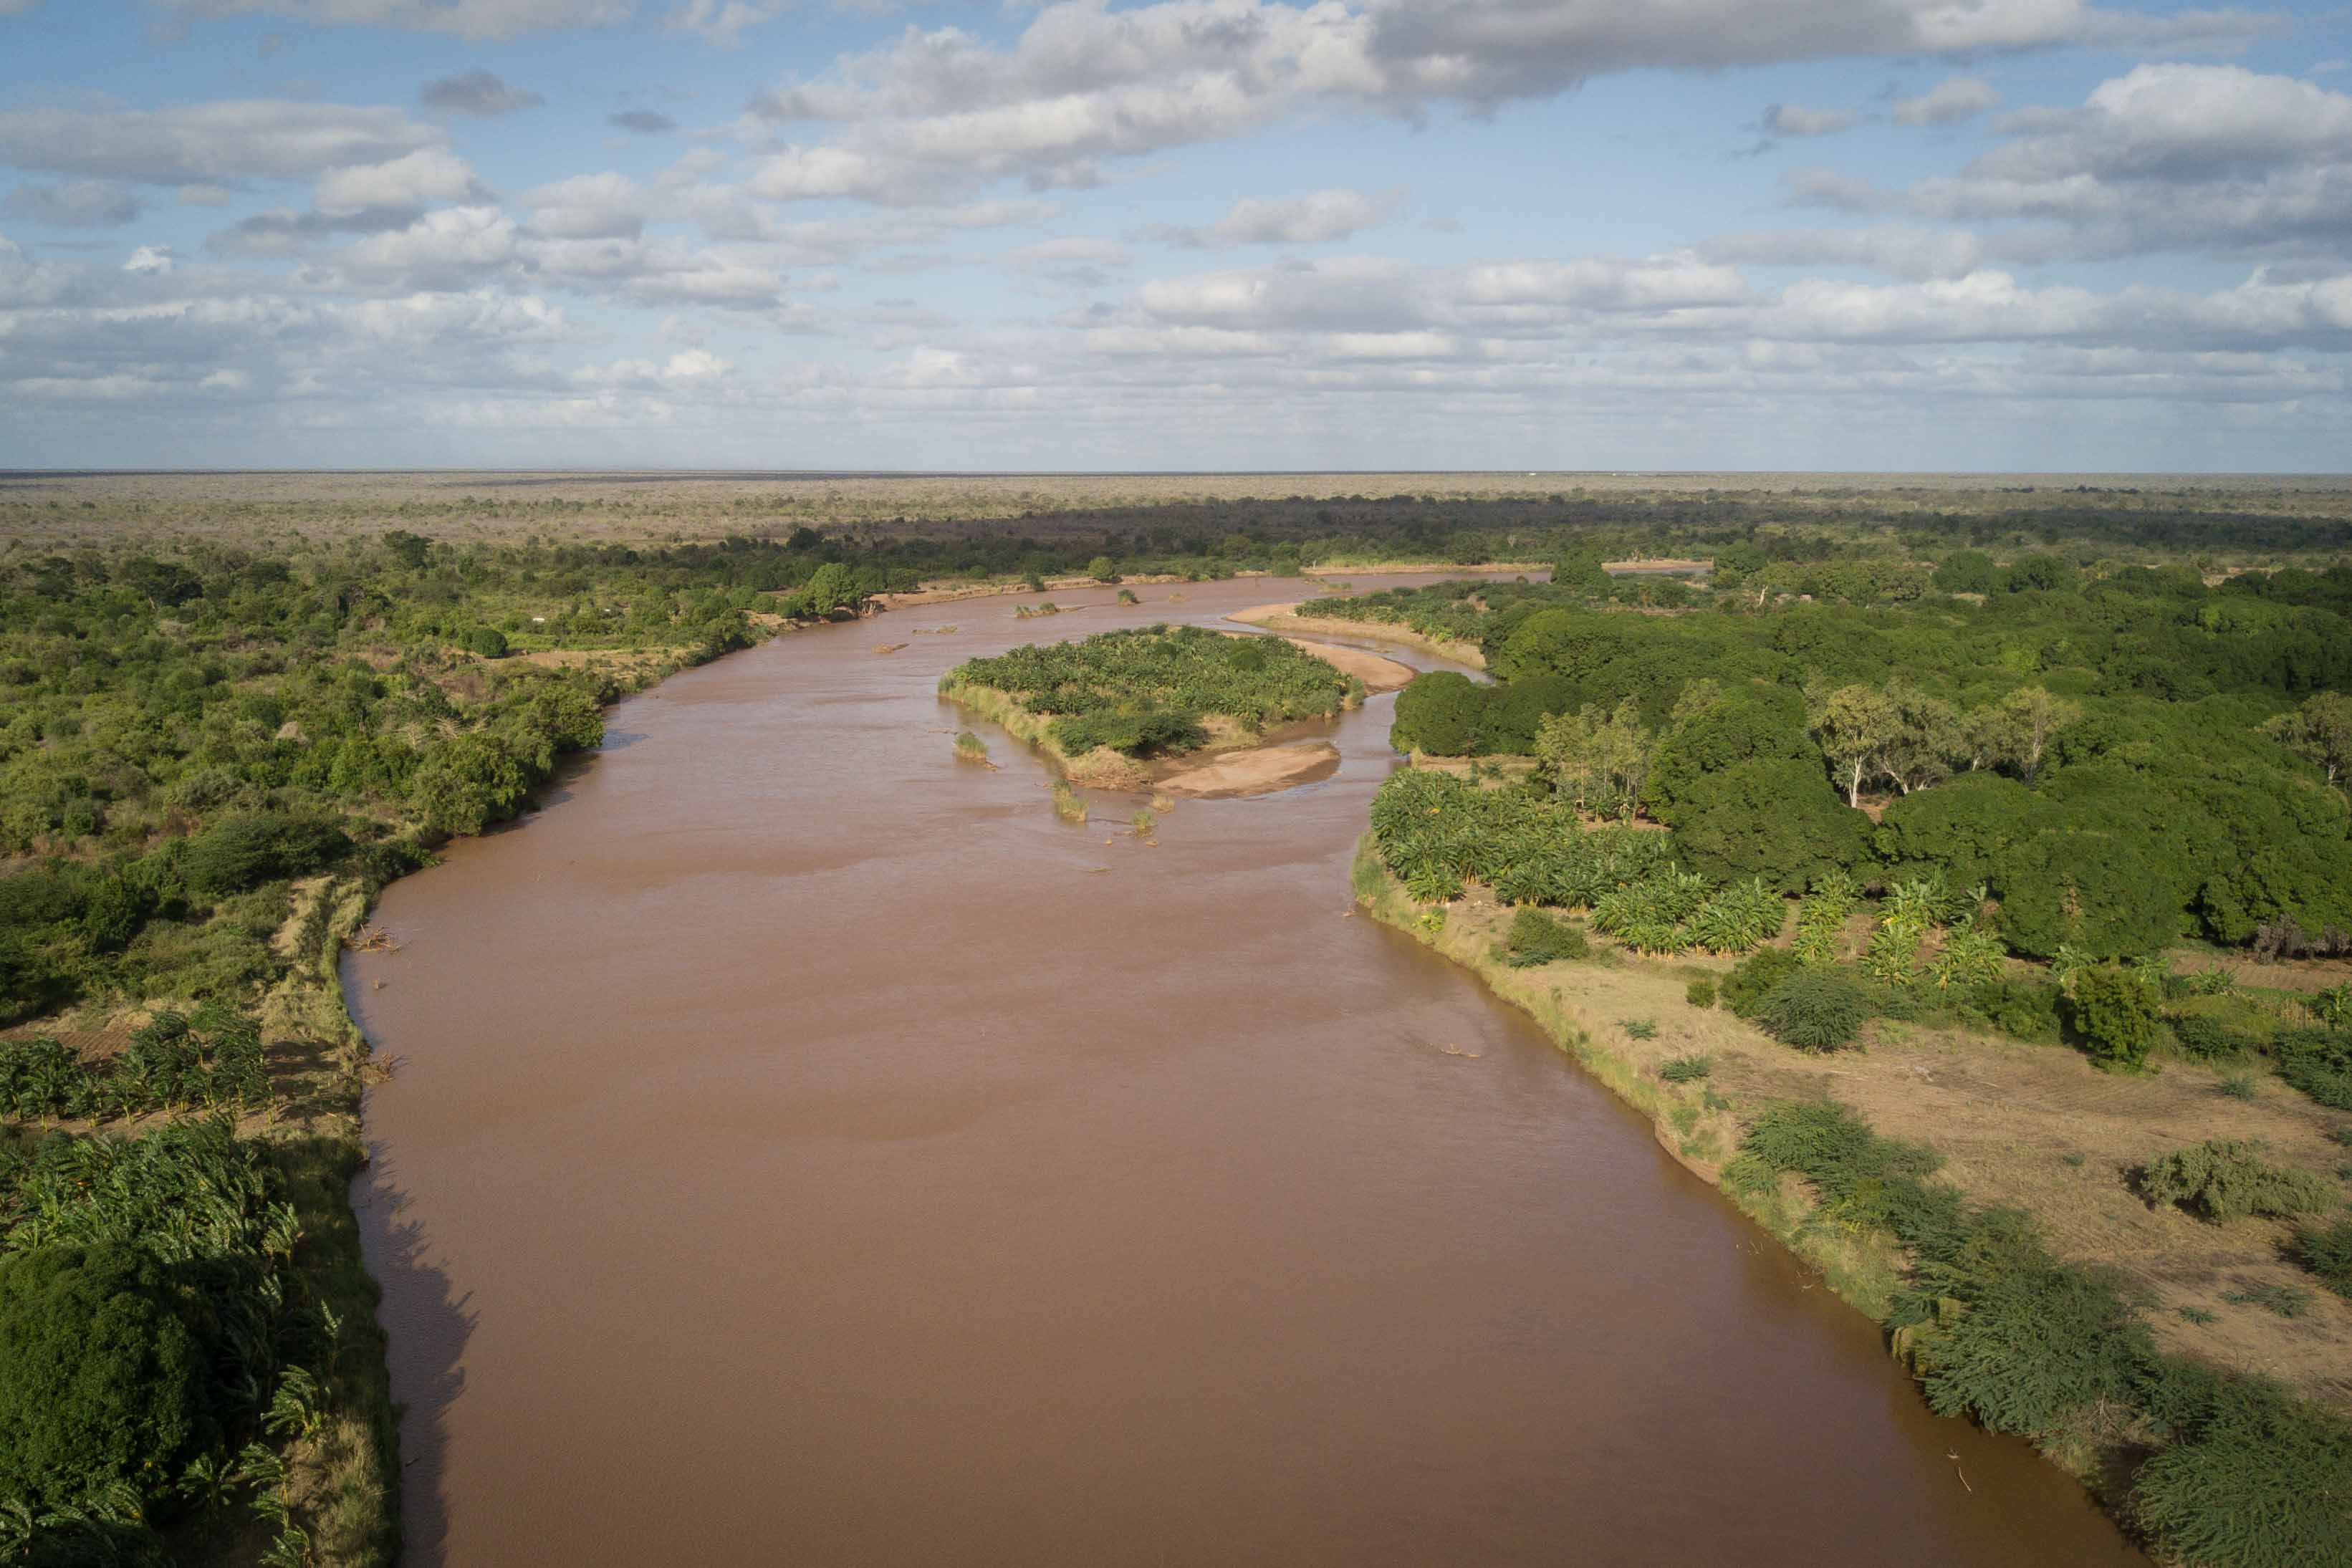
2326,1252
1686,1069
2226,1470
1535,938
2227,1178
1815,1010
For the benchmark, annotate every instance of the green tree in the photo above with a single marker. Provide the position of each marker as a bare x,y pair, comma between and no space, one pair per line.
830,589
1855,726
1102,569
1439,713
2320,732
2022,725
101,1380
1589,751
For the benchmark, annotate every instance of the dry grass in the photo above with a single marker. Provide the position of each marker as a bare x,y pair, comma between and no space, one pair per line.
1279,618
2038,1128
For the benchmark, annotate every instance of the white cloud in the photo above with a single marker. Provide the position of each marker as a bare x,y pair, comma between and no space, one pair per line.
719,22
430,176
207,142
1316,218
476,20
150,259
1795,120
477,93
78,203
1953,99
589,207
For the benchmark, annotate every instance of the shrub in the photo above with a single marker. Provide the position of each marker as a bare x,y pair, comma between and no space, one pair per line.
2115,1009
1640,1029
969,747
2217,1027
247,849
2319,1063
2285,1300
487,641
2022,1009
1686,1069
2328,1253
2036,1345
2227,1178
2252,1477
2239,1086
1699,993
101,1380
1540,938
1752,979
1815,1009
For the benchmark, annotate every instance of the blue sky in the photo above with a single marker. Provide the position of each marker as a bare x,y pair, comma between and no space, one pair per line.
1199,234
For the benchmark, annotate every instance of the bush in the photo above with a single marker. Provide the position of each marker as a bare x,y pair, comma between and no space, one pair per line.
487,641
1753,978
245,850
2115,1009
1815,1010
1699,993
2252,1479
2220,1029
2035,1345
2328,1253
1639,1028
2227,1178
101,1380
1539,938
2319,1063
1686,1069
2022,1009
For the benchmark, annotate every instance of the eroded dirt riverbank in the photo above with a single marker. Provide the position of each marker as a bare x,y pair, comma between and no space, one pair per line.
806,1150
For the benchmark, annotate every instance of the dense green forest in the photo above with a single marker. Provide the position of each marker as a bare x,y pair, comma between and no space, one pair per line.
2117,762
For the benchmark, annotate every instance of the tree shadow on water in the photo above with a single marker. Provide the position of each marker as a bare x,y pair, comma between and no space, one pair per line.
427,1324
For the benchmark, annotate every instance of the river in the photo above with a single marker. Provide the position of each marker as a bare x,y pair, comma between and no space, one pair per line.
805,1148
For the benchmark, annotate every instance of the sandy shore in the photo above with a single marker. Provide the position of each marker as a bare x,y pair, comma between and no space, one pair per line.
1378,674
1253,772
1284,618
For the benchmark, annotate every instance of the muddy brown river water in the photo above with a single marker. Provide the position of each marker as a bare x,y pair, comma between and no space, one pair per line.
804,1149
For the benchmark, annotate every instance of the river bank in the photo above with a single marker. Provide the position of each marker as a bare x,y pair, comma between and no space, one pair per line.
1281,618
2013,1127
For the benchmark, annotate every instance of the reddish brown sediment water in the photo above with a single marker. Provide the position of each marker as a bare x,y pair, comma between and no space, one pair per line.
805,1149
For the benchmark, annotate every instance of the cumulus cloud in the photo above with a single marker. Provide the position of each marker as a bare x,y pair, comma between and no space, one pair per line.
431,176
475,19
1953,99
641,121
1796,120
1316,218
207,142
78,203
719,22
2167,157
1083,83
477,93
589,207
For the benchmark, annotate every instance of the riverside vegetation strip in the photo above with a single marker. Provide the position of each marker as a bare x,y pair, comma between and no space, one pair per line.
236,706
2068,774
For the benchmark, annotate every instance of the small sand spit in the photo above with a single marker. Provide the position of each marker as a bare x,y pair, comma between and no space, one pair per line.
1254,772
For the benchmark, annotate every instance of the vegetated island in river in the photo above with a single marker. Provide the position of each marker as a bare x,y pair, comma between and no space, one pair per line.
1179,707
2048,1069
